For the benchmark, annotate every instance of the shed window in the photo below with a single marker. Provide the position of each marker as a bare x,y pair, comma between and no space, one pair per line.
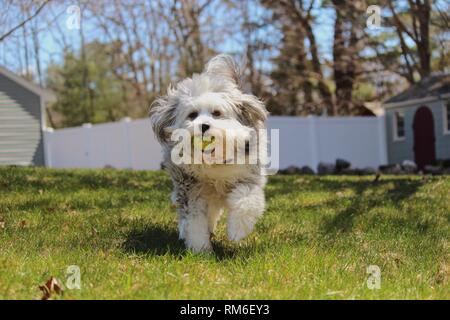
399,125
447,117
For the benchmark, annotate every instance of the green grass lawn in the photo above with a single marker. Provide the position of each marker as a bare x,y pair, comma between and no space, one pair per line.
316,240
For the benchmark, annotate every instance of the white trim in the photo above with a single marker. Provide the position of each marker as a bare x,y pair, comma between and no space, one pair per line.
395,137
390,105
43,125
47,135
445,106
43,115
382,145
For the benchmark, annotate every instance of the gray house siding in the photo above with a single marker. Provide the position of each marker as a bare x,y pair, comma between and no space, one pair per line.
20,125
442,139
398,151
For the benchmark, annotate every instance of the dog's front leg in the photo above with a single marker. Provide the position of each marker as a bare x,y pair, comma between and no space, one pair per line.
246,204
193,226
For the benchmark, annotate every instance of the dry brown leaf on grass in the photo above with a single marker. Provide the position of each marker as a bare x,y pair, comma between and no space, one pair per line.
22,224
50,288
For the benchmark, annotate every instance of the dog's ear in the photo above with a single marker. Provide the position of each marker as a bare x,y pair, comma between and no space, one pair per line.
162,116
224,66
252,111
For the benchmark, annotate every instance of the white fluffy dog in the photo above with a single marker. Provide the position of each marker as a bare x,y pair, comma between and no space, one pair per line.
212,104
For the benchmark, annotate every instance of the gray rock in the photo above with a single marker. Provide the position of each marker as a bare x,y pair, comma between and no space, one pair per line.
409,166
290,170
307,170
391,169
342,164
368,171
434,170
350,172
293,170
358,172
326,168
446,163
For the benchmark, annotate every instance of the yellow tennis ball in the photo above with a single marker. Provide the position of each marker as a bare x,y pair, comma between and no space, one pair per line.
202,142
207,141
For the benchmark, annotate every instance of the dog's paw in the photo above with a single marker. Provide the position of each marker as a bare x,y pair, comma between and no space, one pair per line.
240,226
196,235
199,247
181,228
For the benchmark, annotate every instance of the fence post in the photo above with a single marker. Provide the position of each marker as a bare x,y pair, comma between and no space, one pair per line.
314,141
128,143
87,143
47,136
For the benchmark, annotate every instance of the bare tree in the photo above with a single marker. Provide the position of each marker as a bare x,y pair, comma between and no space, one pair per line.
418,31
25,21
347,43
307,76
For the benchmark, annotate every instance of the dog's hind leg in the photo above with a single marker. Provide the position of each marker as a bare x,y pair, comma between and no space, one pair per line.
214,214
246,204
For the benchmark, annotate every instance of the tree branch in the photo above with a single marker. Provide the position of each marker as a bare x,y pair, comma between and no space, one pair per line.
20,25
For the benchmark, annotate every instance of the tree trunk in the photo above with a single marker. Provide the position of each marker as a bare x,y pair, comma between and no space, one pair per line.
423,48
345,58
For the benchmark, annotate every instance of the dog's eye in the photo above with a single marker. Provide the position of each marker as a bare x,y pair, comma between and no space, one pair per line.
193,115
216,113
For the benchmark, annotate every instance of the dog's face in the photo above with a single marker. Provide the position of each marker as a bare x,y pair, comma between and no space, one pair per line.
208,104
213,97
206,114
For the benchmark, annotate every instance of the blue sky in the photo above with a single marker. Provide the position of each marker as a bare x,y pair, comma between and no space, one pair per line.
52,51
323,29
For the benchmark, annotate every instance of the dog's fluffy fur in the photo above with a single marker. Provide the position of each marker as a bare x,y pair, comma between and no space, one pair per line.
202,192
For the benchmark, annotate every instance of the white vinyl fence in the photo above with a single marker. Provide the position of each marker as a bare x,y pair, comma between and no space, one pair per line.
302,141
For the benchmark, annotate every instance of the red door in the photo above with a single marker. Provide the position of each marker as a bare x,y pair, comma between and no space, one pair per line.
424,139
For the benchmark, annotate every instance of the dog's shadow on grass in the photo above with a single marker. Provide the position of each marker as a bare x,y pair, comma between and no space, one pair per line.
157,240
154,240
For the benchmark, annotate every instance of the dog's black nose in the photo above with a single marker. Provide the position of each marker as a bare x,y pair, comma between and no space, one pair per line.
205,127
